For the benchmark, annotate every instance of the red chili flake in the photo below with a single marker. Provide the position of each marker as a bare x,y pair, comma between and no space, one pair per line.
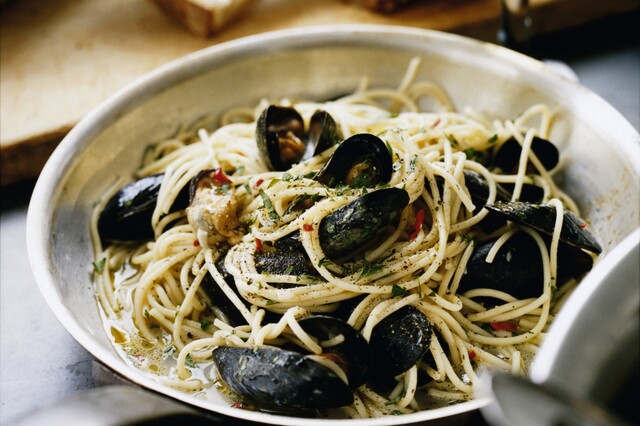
583,225
237,404
472,355
258,245
435,123
258,183
508,326
307,227
417,224
219,177
196,243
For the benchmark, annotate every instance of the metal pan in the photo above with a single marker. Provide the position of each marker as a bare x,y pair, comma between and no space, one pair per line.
602,148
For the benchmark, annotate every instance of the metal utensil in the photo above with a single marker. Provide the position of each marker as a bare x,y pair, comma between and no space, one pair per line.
517,401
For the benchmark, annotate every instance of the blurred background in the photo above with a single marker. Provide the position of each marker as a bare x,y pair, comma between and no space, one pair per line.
61,58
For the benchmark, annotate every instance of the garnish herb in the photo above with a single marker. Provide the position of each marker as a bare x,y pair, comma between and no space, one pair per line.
204,324
369,269
189,361
396,290
98,267
273,215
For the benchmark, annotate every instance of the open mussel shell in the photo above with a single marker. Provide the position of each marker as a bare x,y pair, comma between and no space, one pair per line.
399,341
352,353
507,156
283,142
541,217
279,379
127,214
279,135
362,160
352,226
323,133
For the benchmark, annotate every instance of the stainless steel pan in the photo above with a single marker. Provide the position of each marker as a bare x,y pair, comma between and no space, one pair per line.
602,149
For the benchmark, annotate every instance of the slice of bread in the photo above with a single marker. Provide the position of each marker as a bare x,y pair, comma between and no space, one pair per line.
385,6
203,17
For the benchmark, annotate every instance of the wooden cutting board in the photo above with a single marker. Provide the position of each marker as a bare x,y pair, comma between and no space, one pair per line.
59,59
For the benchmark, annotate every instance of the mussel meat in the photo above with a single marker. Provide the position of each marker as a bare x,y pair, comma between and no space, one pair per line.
213,208
362,160
127,215
541,217
280,136
352,226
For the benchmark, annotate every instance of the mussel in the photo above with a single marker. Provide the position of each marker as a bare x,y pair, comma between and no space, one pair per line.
353,354
282,140
323,133
220,303
399,341
127,215
517,267
281,379
362,160
278,379
284,261
508,155
541,217
352,226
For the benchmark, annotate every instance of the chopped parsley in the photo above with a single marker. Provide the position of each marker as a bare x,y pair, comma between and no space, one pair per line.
98,267
396,290
189,361
369,268
273,215
204,324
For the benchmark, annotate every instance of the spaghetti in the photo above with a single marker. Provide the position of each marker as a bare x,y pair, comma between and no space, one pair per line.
161,316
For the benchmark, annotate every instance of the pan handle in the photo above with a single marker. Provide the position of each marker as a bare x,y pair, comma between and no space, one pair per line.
118,405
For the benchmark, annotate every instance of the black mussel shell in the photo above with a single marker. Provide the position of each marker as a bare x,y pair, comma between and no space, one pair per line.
219,299
280,136
323,133
478,189
279,379
529,193
127,215
362,160
399,341
353,355
508,155
572,263
541,217
284,262
350,227
516,268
